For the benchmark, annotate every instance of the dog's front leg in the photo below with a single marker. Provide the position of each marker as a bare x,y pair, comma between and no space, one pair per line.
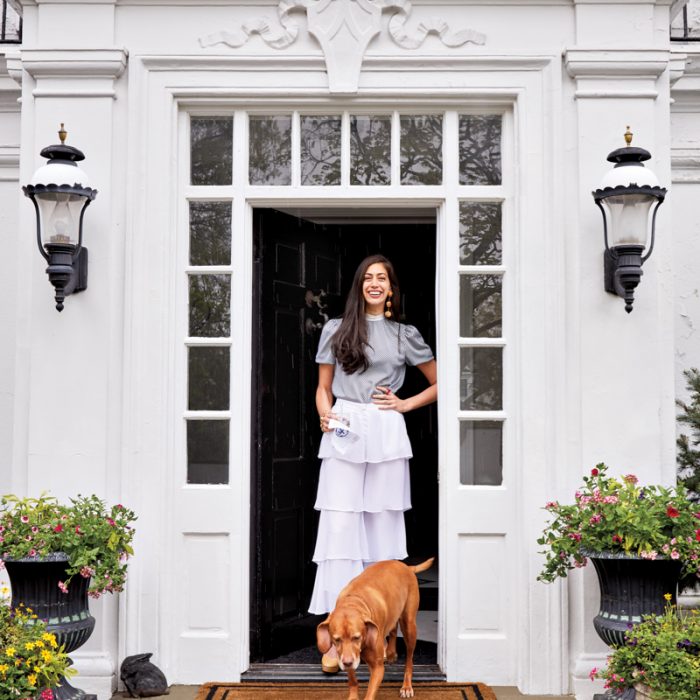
353,685
376,676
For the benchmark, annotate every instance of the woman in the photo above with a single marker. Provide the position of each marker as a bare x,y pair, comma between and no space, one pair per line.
364,485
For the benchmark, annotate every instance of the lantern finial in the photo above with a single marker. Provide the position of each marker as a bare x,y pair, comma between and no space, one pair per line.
628,136
62,133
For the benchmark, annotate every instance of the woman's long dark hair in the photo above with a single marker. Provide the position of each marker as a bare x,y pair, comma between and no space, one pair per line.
350,339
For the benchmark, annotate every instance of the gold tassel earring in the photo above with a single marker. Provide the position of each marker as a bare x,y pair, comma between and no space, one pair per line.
387,312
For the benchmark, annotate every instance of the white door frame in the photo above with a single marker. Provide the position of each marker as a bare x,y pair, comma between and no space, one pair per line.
160,89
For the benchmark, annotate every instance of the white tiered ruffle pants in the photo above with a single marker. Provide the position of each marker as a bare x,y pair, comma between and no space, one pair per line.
363,491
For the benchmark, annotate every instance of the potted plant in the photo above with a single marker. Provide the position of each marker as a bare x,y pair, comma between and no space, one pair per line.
57,555
659,659
31,661
641,540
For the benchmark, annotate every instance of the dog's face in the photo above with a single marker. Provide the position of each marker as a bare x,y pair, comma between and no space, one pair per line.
349,634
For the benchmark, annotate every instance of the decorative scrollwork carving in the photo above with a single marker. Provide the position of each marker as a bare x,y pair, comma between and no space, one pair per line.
344,29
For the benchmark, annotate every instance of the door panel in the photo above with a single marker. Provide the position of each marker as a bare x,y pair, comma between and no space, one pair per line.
298,279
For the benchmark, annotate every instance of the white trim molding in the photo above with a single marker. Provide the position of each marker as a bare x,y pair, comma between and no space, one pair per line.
625,73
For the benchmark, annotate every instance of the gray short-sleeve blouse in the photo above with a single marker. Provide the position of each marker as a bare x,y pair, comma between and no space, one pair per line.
387,354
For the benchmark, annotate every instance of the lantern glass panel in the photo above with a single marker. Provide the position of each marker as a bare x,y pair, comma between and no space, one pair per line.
628,218
60,217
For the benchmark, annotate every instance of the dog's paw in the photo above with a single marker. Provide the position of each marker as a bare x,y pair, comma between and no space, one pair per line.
406,692
391,659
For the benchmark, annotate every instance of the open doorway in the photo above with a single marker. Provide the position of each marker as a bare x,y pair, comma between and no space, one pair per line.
304,261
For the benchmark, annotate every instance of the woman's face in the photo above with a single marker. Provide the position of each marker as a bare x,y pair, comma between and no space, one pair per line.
375,288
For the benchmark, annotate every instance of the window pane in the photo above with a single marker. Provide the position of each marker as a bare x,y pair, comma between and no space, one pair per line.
480,306
210,233
210,306
211,150
480,149
320,150
370,150
270,150
481,453
421,150
480,233
207,451
481,379
208,378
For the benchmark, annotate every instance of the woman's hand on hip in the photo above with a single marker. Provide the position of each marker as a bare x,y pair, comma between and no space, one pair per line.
387,400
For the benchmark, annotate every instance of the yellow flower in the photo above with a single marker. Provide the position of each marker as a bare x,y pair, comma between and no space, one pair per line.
31,679
47,637
5,591
29,646
53,641
39,644
3,668
668,597
47,656
10,651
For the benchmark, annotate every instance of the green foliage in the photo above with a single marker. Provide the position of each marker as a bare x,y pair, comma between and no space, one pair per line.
661,653
97,540
617,515
30,660
688,457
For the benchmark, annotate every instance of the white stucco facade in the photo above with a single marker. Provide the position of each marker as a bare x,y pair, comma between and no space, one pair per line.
584,381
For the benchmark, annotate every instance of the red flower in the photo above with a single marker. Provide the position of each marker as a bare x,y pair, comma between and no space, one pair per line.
617,539
697,535
672,512
77,530
594,472
58,528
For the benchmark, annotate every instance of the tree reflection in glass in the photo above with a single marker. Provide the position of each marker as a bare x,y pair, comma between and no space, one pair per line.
480,313
320,150
208,378
481,379
210,306
370,150
480,149
421,150
211,150
210,233
270,150
480,233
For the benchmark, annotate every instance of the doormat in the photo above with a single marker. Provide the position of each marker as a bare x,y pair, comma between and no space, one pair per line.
338,691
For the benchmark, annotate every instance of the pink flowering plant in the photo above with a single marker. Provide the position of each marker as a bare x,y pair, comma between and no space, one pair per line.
95,538
661,656
620,516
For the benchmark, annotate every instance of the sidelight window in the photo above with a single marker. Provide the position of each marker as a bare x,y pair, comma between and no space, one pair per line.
481,277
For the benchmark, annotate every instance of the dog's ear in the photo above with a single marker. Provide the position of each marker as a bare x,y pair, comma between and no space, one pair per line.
323,637
371,633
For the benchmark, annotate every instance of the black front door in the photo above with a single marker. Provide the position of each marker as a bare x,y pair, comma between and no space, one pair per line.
297,289
302,275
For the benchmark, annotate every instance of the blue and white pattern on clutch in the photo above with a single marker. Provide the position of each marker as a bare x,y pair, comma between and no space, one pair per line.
341,425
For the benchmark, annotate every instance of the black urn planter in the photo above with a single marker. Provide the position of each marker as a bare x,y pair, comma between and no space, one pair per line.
631,587
34,583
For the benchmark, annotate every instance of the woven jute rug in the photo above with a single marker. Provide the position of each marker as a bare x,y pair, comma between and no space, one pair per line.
323,691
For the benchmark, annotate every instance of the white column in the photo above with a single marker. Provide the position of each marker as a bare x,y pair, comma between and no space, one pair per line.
68,405
625,416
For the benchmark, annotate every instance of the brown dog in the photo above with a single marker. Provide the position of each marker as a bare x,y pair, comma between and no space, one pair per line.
368,611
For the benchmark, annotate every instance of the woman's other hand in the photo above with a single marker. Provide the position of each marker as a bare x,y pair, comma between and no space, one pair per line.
324,421
387,400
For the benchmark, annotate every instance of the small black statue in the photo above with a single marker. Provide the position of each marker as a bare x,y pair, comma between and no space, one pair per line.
142,678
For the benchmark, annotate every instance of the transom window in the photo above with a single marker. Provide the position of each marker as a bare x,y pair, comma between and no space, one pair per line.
335,150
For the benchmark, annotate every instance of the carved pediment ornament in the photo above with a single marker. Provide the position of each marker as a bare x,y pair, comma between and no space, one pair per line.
344,29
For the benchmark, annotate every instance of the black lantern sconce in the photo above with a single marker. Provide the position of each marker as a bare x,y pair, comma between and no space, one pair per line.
60,195
626,197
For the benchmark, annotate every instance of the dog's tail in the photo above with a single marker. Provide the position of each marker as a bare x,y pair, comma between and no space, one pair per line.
422,567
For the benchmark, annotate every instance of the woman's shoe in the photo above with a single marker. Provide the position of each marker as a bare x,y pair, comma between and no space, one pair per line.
329,664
